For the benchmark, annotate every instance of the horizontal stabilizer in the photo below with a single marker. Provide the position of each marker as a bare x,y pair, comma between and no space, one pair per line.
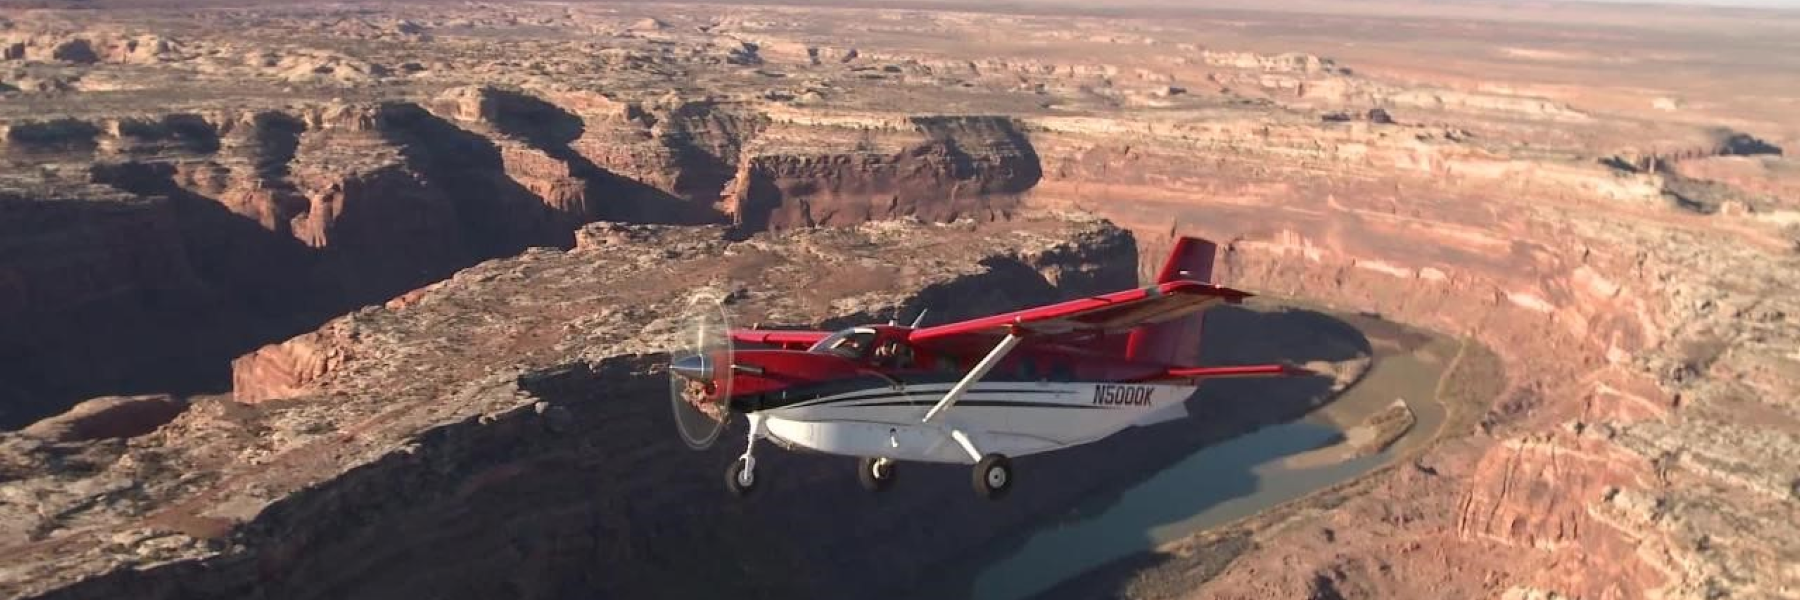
1237,371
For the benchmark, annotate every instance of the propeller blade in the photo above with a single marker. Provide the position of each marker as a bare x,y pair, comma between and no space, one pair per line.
698,389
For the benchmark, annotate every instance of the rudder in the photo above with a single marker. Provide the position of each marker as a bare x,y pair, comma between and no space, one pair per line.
1190,260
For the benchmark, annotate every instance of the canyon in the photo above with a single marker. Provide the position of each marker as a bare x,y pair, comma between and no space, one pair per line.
373,293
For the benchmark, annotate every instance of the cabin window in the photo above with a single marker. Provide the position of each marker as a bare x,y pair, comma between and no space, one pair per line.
849,343
1062,371
1027,369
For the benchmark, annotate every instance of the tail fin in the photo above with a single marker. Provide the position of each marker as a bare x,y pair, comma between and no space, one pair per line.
1177,341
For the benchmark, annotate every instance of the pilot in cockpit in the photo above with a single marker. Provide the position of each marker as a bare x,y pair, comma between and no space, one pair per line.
894,355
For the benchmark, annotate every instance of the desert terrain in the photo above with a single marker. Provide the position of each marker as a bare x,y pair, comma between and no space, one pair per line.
367,299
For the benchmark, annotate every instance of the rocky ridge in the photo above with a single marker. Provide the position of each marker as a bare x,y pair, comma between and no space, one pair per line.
470,393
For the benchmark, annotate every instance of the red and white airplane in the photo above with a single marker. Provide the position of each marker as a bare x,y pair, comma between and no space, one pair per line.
972,392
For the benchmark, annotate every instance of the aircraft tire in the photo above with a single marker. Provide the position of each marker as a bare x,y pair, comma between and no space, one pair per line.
993,477
875,474
737,481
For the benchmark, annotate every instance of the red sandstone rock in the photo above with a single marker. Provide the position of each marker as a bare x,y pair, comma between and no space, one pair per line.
287,369
1548,494
942,169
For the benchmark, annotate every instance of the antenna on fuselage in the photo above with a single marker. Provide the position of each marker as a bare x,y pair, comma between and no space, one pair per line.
920,318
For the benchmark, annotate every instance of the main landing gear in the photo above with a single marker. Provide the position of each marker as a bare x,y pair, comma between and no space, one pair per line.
875,474
993,476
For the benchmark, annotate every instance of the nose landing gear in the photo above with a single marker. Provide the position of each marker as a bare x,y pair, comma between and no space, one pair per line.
740,477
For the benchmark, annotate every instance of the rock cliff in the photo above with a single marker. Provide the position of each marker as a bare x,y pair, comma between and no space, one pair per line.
937,168
279,219
248,226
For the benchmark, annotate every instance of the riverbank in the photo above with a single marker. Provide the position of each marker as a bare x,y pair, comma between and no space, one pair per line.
1469,382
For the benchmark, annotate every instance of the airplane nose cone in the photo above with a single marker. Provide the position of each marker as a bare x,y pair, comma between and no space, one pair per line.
694,368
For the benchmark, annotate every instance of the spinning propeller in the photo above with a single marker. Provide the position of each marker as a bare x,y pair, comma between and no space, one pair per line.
700,371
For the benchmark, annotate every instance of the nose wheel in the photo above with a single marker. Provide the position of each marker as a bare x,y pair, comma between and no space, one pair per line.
993,477
740,477
875,474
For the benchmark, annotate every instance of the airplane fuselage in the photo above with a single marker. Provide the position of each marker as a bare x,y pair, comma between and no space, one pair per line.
1038,398
1014,418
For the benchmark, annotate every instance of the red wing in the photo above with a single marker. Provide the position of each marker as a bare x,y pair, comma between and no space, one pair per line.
788,339
1110,313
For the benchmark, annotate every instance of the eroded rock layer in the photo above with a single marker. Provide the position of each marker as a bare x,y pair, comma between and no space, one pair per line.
1623,238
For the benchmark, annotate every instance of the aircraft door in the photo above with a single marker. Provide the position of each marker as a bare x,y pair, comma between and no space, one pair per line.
893,354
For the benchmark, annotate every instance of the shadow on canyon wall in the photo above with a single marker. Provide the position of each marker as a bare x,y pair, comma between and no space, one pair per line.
606,195
159,296
270,224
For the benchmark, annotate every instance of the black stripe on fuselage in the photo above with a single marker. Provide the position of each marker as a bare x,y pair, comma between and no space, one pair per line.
919,397
1006,403
912,399
873,388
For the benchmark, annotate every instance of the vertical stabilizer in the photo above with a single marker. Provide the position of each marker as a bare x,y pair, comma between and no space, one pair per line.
1176,342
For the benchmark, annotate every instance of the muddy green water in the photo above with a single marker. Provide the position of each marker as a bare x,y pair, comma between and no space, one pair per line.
1236,478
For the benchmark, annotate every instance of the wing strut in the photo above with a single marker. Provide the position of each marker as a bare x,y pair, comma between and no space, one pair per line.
981,370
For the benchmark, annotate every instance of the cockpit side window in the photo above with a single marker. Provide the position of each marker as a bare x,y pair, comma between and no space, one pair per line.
849,343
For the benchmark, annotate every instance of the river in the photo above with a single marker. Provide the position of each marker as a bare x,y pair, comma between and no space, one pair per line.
1239,477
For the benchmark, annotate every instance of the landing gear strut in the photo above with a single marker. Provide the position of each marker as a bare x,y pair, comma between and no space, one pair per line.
993,477
740,477
875,474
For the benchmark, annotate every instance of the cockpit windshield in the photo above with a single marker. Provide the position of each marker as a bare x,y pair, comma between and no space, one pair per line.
849,343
